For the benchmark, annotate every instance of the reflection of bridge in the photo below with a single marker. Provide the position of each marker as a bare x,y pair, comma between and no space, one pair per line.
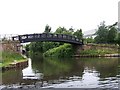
48,37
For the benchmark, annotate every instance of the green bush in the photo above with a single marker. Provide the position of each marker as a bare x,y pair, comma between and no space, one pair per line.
41,46
65,50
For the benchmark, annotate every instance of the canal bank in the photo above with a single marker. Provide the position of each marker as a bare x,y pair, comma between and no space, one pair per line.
12,60
15,65
106,55
10,56
98,50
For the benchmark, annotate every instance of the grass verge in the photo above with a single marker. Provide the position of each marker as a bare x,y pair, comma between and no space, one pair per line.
10,57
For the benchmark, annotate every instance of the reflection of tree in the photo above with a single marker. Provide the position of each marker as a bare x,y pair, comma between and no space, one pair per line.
37,63
107,67
54,68
12,76
36,55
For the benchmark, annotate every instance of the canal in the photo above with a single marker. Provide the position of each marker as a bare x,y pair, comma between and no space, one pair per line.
65,73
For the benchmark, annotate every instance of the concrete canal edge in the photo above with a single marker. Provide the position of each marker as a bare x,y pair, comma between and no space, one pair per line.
106,55
16,65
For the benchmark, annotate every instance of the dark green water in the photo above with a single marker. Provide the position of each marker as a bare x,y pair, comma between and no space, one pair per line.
64,73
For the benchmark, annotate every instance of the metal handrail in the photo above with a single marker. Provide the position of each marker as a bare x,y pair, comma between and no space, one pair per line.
62,37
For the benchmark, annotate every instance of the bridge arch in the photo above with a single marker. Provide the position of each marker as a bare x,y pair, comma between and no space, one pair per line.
48,37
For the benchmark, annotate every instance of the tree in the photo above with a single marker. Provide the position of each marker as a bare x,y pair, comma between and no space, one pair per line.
60,30
78,34
102,34
63,30
89,40
47,29
112,35
118,39
27,47
71,30
49,45
36,47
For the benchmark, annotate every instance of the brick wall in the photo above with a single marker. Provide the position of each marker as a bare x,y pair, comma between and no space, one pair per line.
13,46
93,46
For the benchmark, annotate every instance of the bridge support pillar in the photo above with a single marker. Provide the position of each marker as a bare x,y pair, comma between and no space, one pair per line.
78,48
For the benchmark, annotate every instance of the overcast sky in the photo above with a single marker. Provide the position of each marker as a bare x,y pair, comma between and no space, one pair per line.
31,16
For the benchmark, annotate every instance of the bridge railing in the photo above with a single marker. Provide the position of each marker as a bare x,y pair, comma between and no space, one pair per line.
46,36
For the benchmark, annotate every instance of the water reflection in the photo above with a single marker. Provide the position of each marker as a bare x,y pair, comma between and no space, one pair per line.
89,79
53,68
11,77
28,72
58,73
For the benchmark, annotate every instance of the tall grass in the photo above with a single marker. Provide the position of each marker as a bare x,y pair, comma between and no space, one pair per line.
9,57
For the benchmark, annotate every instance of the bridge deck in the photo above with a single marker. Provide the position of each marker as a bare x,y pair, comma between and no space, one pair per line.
48,37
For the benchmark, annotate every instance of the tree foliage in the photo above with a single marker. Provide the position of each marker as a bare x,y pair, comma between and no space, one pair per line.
118,39
42,46
112,35
89,40
47,29
78,34
71,30
106,34
63,30
36,47
101,33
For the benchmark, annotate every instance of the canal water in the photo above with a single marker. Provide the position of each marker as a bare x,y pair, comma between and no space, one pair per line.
65,73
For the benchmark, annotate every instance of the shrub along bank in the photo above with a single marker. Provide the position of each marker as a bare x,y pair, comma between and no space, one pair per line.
64,50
